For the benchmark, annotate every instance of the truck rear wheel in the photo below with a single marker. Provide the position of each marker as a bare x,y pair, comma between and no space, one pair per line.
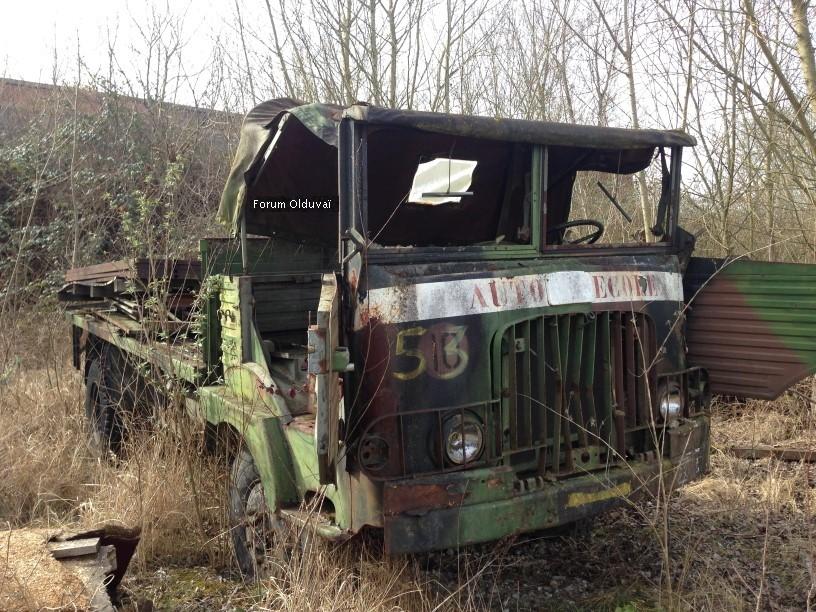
101,411
256,529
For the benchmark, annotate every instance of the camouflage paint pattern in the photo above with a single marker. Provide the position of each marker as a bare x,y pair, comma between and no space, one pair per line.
751,324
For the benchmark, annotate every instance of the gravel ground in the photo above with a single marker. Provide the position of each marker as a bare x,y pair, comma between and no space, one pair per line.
741,538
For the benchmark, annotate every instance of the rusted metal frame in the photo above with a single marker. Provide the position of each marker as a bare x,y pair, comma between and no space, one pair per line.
494,409
246,306
642,375
488,511
565,346
575,410
610,250
607,426
360,155
587,379
643,427
512,390
211,342
440,426
243,239
138,269
527,400
467,463
618,366
539,190
650,346
346,191
125,324
541,407
630,370
422,255
558,392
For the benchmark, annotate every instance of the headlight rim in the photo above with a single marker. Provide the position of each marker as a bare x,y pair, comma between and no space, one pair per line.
451,427
668,392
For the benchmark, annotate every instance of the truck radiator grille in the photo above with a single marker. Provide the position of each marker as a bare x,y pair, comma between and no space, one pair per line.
574,388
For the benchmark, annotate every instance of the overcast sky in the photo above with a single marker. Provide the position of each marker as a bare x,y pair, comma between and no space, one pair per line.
31,30
38,42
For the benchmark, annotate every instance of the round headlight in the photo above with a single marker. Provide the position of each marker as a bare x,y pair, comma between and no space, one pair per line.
464,438
671,403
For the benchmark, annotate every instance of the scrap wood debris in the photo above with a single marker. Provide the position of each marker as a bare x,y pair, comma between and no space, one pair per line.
762,451
44,568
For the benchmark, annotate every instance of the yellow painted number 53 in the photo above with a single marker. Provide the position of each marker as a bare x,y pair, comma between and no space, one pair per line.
441,351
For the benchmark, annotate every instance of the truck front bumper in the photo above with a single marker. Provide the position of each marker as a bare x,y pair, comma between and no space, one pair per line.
460,508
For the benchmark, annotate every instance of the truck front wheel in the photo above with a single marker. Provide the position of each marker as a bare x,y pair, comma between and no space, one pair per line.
101,411
256,529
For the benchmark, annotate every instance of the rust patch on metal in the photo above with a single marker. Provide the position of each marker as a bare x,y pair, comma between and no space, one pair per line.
494,483
419,497
370,315
304,423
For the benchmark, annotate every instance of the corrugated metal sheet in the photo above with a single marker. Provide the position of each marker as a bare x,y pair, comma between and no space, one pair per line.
752,326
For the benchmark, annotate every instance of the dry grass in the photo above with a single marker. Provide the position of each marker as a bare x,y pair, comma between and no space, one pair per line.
756,519
739,539
50,477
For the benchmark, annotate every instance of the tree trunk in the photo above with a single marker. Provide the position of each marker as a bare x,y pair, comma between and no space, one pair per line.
645,207
805,49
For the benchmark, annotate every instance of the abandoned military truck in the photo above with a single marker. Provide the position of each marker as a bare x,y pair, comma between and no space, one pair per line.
416,325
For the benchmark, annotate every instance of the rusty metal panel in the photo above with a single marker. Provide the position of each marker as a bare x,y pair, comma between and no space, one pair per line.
751,325
419,496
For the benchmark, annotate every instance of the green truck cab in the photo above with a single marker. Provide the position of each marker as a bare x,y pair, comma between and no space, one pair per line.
414,328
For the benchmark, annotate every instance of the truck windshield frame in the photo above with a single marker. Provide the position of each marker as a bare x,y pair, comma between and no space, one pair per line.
353,181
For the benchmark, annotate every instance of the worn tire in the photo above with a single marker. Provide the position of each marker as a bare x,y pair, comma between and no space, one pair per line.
251,524
101,409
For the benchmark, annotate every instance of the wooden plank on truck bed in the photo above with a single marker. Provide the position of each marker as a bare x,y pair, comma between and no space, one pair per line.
137,269
91,289
183,359
126,325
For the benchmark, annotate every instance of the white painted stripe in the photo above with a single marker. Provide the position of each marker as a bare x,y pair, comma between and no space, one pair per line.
443,299
613,286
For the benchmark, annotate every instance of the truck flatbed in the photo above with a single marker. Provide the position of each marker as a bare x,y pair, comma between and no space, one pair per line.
122,303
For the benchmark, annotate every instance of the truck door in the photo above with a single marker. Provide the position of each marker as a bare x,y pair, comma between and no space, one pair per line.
324,379
751,324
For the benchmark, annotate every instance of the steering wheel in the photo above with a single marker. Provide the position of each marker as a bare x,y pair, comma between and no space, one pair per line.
588,238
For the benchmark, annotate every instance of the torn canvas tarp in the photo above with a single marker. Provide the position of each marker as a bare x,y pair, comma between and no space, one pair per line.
279,165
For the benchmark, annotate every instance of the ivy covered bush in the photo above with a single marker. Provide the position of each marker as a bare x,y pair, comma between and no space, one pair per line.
104,178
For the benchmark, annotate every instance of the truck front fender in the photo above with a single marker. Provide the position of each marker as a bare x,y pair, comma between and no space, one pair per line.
261,430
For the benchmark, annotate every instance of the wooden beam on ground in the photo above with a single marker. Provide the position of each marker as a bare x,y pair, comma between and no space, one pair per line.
762,451
74,548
